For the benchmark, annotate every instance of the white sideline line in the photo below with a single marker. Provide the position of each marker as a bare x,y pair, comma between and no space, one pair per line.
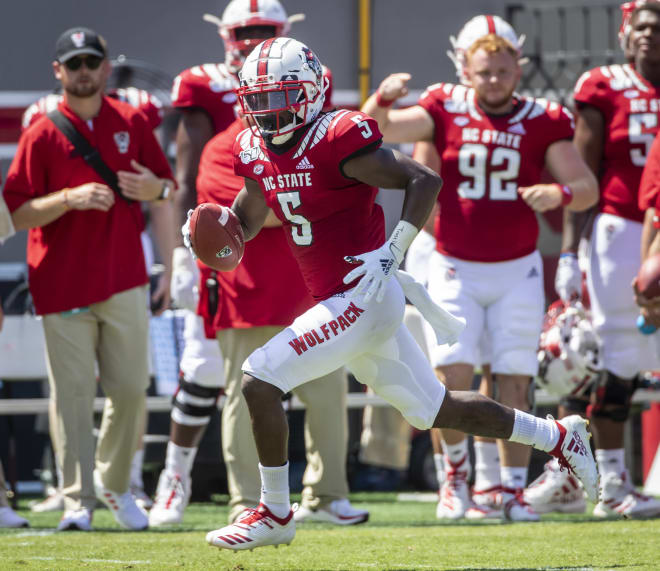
88,560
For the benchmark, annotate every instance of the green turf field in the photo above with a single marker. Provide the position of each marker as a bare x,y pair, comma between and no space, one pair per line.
399,535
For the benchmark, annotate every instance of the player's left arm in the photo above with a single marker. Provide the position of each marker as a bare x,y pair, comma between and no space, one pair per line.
251,208
577,187
387,168
427,154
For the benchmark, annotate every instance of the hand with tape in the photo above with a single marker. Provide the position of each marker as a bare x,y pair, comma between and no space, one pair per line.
568,279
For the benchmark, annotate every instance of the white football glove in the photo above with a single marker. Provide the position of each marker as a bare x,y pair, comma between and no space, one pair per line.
378,266
185,232
184,287
568,279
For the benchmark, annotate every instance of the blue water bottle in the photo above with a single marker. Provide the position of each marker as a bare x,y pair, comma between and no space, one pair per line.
645,328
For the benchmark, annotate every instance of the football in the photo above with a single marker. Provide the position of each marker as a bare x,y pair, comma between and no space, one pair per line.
648,277
216,236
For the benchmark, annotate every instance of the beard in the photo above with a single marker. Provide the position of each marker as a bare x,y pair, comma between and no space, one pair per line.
83,90
496,101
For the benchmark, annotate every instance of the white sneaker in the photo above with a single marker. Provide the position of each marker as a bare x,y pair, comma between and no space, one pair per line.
76,520
619,498
123,506
514,506
339,512
454,493
9,518
143,501
485,504
54,502
172,495
255,528
574,453
555,491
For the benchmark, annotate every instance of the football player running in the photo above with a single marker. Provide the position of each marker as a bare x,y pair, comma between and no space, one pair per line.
336,232
492,145
617,120
206,96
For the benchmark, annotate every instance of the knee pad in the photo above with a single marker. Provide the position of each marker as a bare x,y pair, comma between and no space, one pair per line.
193,404
574,404
611,397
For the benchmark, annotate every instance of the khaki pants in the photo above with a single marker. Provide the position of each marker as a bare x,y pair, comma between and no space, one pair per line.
326,429
114,334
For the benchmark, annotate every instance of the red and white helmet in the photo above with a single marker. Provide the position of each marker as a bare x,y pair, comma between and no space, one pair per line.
627,9
247,13
282,87
569,350
476,28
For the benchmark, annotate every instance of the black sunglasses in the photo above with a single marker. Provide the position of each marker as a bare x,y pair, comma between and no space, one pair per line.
76,62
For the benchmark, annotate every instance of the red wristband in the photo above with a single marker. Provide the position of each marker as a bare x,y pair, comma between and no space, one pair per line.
381,102
566,194
656,221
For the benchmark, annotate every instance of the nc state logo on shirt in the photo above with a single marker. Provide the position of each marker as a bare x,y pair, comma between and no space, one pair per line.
122,140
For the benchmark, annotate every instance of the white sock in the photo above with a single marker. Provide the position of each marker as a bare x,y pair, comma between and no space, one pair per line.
179,459
439,468
136,469
275,489
455,452
514,477
531,430
486,465
610,461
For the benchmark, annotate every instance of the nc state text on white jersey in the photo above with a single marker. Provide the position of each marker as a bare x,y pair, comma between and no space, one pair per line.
292,180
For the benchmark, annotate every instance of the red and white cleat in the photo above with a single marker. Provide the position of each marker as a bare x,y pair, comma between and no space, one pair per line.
515,507
555,491
172,496
454,498
339,512
619,498
574,453
485,504
254,528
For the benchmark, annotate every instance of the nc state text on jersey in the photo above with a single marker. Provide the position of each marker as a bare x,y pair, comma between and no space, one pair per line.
486,136
293,180
644,105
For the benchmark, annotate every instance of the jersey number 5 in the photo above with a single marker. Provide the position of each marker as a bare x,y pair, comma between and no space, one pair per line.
301,231
636,125
473,164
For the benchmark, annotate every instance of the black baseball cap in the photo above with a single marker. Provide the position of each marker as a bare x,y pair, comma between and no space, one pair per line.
78,41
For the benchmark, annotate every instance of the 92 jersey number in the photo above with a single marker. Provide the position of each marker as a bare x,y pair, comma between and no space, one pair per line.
473,163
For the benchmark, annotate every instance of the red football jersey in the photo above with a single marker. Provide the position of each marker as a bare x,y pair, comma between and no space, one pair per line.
85,256
649,186
210,87
630,106
249,296
325,214
485,158
140,99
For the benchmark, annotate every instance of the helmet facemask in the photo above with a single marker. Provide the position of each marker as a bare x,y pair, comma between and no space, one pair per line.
277,108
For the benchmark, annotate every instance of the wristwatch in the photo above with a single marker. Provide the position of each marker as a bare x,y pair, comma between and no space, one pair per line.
167,189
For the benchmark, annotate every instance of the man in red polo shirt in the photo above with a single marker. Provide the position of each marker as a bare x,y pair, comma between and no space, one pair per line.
87,274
